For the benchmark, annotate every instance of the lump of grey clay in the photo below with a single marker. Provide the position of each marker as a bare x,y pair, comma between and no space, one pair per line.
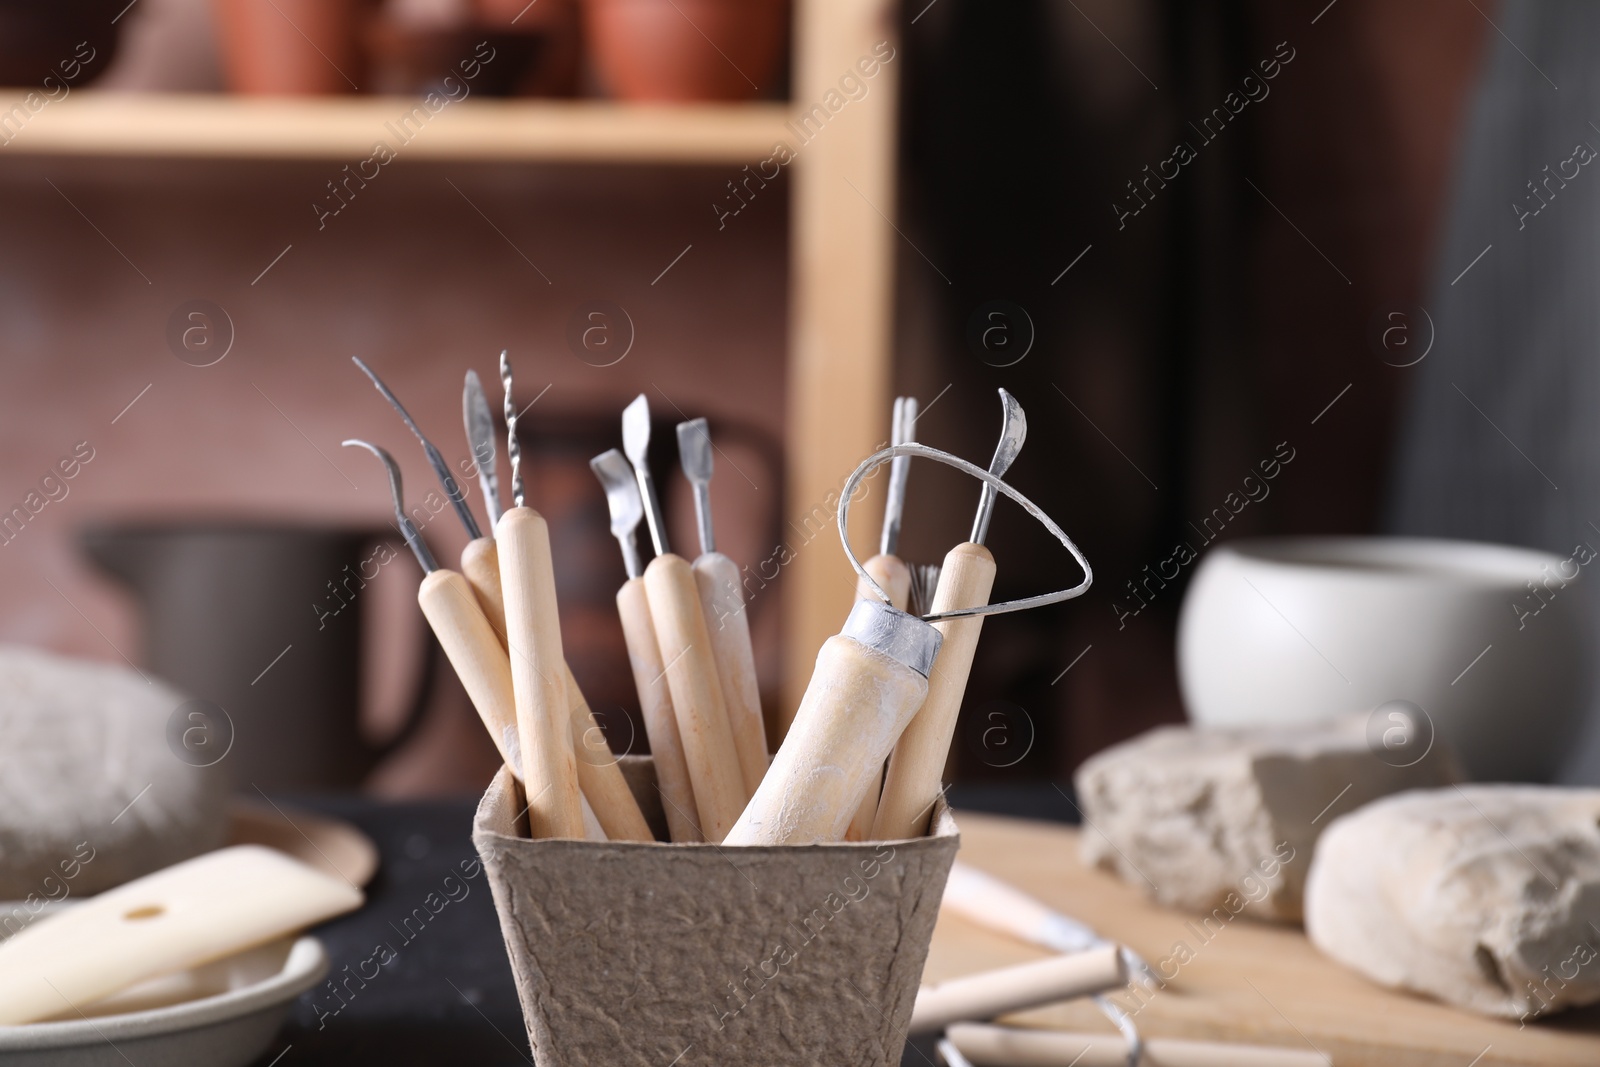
1486,897
79,743
1209,819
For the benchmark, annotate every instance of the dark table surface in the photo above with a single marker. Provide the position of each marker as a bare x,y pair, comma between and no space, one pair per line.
440,990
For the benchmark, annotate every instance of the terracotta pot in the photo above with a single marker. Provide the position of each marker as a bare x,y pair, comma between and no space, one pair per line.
277,47
687,49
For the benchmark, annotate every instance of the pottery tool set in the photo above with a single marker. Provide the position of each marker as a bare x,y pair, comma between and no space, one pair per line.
861,763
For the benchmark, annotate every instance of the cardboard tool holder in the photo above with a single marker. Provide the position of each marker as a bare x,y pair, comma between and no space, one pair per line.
630,954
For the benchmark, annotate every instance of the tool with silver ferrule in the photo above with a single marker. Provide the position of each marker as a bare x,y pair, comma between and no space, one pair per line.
965,581
644,653
722,602
685,642
890,572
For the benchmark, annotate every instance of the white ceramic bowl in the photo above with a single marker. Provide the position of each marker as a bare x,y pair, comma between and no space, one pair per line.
1297,630
224,1014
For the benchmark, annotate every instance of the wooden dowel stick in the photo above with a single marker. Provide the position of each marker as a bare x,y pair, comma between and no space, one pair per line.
722,602
708,746
655,703
592,830
539,675
1027,985
917,766
895,577
1003,1046
599,775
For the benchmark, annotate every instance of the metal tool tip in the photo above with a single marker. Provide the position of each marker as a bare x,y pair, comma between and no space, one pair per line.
622,490
636,430
694,450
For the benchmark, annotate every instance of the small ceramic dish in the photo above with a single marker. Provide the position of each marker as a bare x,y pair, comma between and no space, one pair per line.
223,1014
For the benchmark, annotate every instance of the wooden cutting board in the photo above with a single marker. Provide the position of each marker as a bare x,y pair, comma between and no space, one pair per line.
1244,981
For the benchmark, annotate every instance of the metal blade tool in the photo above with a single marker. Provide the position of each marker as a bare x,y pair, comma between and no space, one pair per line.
966,579
644,653
722,602
685,641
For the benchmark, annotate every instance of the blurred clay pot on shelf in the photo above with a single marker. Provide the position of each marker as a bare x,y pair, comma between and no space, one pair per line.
292,47
685,50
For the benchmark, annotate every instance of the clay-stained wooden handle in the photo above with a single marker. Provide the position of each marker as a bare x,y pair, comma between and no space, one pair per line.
600,778
1003,1046
703,726
480,562
915,769
722,602
655,703
857,703
469,642
895,577
983,996
538,675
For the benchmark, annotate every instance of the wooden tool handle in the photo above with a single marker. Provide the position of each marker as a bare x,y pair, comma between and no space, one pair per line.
1002,1046
895,577
857,703
722,602
655,702
592,830
915,769
480,562
538,675
452,609
600,778
1000,906
891,573
708,746
1027,985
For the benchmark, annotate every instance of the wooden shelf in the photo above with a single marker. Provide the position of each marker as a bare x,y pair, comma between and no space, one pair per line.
347,128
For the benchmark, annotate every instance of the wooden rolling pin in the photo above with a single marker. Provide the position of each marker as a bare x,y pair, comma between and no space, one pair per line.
917,766
1027,985
538,675
722,602
599,777
870,678
1001,1046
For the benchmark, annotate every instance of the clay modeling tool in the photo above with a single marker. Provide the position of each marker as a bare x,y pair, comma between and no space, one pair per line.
1002,907
458,499
458,621
984,996
538,664
869,680
599,777
966,579
686,651
890,572
722,603
200,910
644,653
984,1045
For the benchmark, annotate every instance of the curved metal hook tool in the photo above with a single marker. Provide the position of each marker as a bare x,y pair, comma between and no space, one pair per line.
408,529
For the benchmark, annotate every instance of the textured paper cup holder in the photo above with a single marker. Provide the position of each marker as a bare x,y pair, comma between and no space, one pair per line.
634,954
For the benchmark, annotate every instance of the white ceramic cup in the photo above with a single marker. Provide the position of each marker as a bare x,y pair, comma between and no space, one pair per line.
1298,630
